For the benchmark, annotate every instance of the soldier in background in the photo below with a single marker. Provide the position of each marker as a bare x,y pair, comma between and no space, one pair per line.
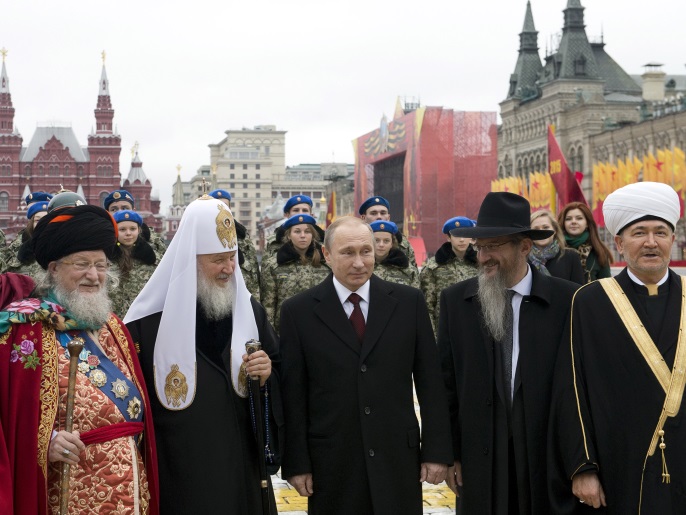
18,256
247,255
134,260
454,261
119,200
298,265
296,205
391,263
378,208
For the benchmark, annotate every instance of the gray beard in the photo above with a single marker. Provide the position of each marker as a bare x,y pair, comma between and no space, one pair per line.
494,300
91,309
216,301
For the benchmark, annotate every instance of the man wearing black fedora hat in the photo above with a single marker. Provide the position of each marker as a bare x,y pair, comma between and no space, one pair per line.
498,335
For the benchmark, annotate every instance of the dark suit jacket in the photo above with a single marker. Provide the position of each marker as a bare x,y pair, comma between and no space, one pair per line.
469,359
350,418
568,266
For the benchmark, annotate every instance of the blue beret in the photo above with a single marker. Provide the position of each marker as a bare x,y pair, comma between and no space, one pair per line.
384,226
294,201
118,195
127,216
299,219
373,201
458,221
220,194
36,207
38,196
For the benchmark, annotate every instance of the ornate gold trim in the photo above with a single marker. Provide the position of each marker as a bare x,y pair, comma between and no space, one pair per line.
49,395
123,342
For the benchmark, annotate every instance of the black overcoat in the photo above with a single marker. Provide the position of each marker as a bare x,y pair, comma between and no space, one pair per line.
207,453
567,266
475,393
350,417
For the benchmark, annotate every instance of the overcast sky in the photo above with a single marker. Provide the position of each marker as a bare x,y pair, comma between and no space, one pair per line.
181,73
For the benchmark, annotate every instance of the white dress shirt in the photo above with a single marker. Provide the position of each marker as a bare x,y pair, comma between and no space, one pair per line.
344,293
521,289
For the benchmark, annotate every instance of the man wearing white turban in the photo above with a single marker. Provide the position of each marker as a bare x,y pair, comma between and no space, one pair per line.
618,429
191,322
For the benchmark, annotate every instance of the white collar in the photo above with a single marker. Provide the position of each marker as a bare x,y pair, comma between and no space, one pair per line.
523,287
343,292
641,283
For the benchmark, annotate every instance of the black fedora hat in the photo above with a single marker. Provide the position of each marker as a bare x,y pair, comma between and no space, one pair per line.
502,214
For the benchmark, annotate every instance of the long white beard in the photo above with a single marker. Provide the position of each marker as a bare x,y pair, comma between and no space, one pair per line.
91,309
216,301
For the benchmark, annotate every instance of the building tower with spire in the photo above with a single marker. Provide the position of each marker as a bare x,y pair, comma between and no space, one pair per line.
54,158
578,89
104,144
528,67
139,186
10,139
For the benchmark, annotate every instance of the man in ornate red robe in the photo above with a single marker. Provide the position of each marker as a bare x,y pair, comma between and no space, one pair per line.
111,448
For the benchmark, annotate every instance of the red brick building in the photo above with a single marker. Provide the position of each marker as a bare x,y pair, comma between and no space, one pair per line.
54,157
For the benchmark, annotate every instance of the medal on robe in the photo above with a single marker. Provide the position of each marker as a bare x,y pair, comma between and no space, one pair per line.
120,389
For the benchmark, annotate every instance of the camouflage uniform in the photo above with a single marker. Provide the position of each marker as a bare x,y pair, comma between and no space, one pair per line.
396,268
155,241
12,263
441,271
129,287
144,260
284,275
247,260
405,246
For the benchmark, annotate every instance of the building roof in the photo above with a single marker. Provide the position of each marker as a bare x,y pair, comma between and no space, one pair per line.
528,67
136,172
679,81
623,98
616,79
65,135
104,87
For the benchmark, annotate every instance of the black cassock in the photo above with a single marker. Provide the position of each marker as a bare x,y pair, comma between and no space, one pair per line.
619,403
207,453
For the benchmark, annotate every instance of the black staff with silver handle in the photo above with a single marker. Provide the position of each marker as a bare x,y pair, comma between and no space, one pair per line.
75,346
252,346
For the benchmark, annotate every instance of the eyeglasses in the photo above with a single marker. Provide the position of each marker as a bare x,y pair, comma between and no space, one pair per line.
84,266
490,247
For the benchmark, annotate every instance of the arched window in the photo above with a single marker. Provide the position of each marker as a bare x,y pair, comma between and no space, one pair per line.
4,201
103,196
27,171
5,170
53,170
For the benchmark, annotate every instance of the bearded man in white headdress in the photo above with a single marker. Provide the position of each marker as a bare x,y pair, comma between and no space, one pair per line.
618,427
191,322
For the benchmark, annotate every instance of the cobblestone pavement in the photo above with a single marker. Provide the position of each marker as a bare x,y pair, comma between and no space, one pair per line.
437,498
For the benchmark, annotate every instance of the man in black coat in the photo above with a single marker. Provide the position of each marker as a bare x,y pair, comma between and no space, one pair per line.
191,323
350,350
498,335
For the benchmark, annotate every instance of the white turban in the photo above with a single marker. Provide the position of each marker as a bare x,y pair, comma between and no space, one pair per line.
207,227
638,200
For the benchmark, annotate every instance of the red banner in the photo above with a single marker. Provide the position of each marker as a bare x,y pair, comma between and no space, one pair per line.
568,190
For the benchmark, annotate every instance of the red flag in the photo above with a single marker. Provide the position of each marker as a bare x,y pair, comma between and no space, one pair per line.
565,183
331,209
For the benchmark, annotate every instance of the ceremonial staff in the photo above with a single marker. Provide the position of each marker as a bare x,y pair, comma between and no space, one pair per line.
75,346
252,346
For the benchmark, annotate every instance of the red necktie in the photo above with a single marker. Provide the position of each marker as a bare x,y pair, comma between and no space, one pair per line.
357,318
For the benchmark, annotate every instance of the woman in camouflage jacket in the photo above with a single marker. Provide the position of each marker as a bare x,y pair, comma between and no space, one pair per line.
454,261
134,261
297,266
392,264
